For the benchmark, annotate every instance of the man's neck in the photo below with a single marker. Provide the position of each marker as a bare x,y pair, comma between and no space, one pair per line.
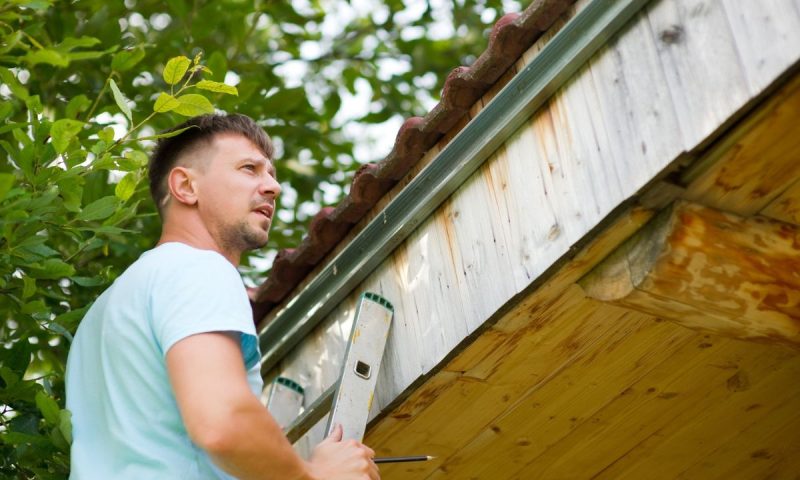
202,241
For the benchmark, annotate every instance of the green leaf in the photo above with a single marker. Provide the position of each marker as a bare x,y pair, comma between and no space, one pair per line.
138,157
17,359
76,105
6,182
6,110
36,306
52,269
122,102
193,104
48,56
34,4
165,102
71,191
175,69
99,209
217,87
106,135
71,318
63,131
88,281
124,60
34,104
109,230
65,424
72,56
16,438
9,376
58,440
49,408
39,251
10,41
26,423
29,287
71,43
16,88
127,186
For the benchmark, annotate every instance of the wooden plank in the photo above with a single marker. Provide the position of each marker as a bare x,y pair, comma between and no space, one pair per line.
767,36
708,270
698,50
628,93
427,287
402,360
754,164
678,413
553,407
480,248
769,448
466,405
785,207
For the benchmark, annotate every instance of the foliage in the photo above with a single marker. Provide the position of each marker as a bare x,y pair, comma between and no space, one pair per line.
84,87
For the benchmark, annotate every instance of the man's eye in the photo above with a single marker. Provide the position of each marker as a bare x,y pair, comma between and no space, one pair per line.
250,167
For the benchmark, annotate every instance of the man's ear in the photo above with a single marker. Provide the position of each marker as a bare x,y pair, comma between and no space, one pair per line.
182,185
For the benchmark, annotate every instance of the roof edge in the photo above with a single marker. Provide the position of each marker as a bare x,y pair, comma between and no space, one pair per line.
560,58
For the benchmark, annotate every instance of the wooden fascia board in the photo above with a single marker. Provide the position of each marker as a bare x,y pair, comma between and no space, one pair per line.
709,270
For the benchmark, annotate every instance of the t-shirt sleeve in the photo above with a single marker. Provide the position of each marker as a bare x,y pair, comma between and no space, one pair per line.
200,292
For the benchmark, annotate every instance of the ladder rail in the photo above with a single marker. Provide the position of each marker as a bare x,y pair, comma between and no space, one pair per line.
350,398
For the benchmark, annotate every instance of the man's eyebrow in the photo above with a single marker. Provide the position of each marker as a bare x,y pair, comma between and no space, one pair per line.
261,160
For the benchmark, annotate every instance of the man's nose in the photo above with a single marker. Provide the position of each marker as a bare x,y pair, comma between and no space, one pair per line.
270,186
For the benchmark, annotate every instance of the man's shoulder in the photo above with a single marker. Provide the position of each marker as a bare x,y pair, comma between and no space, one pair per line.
176,256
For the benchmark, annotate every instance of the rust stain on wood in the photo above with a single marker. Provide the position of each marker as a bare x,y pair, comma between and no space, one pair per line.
710,270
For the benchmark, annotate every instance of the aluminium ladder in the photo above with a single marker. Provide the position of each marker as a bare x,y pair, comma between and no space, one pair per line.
349,400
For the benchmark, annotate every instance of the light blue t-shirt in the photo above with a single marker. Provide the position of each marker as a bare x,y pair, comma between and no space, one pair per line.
126,422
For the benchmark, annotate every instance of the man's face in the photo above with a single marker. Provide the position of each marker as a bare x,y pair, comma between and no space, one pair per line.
236,193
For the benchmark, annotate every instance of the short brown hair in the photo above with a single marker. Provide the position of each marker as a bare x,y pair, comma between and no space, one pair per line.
199,130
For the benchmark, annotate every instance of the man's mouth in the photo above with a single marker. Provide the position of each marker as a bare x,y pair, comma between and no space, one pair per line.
266,210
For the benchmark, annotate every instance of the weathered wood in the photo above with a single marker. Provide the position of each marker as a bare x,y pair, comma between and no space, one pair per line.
785,207
626,77
764,32
756,162
711,271
702,66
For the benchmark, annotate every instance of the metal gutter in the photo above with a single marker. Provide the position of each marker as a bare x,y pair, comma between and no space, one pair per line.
560,58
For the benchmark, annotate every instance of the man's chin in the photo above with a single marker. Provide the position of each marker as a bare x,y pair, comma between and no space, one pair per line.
257,240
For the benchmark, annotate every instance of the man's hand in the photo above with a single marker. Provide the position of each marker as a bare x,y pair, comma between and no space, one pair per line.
334,459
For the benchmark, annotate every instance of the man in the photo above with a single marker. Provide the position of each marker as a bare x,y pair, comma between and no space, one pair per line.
163,373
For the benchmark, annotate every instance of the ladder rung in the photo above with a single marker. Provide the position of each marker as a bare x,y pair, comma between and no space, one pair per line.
311,415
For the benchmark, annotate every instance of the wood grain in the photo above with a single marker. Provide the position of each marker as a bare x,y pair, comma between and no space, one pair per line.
709,270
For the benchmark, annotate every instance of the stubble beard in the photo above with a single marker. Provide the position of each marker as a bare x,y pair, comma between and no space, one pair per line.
242,237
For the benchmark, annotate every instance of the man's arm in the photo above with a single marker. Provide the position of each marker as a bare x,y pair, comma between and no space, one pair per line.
223,417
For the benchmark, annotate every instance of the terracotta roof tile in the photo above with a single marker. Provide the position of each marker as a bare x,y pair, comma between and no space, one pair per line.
510,37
